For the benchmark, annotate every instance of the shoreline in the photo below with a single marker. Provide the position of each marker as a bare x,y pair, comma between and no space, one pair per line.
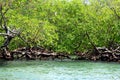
39,53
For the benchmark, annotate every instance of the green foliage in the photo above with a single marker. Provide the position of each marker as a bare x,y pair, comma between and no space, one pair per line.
61,24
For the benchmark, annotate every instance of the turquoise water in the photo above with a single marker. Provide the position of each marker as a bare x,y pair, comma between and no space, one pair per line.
57,70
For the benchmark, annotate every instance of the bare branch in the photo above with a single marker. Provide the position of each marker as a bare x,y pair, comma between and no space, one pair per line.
4,34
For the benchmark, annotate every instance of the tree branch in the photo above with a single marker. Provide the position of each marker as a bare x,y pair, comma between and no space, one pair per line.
95,48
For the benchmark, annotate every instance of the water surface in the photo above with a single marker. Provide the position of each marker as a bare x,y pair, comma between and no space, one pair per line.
57,70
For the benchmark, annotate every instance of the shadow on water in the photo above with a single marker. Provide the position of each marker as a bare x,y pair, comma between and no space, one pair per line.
3,63
26,63
23,63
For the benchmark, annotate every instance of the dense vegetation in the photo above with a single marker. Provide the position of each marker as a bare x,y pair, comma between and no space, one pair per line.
61,25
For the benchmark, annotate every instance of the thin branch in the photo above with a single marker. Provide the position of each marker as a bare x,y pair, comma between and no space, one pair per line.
95,48
3,18
23,39
4,34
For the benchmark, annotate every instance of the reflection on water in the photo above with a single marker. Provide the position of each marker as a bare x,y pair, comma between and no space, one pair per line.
56,70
